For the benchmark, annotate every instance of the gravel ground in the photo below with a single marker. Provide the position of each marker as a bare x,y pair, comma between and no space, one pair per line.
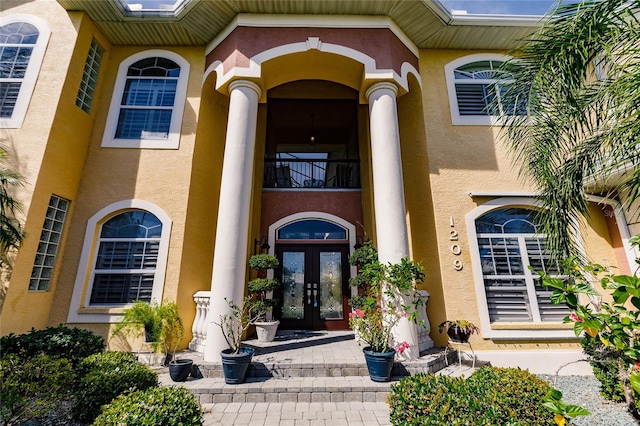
585,392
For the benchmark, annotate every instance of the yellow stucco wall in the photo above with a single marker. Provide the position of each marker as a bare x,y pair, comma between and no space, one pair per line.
59,151
50,149
461,160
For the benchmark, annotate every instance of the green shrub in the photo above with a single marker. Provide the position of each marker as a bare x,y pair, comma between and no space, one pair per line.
490,396
604,369
517,392
105,376
30,387
155,406
73,344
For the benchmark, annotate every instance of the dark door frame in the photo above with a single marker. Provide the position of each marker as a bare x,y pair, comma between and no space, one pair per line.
312,319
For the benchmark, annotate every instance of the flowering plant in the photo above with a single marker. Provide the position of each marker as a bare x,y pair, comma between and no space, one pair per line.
386,288
374,328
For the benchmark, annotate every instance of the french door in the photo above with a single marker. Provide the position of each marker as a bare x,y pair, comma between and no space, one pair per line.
315,286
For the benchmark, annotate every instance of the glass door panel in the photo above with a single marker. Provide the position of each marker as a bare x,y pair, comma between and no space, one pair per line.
293,270
314,286
331,285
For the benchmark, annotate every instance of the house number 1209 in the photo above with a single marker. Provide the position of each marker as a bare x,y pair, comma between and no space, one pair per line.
455,248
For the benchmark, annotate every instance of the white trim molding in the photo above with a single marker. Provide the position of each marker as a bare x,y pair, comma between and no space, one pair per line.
254,70
173,139
471,120
506,331
28,83
312,215
80,310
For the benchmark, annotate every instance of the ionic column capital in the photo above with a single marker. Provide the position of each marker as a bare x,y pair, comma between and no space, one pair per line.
380,86
239,84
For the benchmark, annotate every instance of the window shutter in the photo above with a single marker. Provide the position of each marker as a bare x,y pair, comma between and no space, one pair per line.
472,99
507,300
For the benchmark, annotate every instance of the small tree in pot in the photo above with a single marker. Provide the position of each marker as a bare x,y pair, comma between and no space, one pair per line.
236,359
261,304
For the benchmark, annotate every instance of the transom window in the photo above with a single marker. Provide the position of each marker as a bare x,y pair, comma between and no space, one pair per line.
312,230
23,39
127,258
509,244
475,96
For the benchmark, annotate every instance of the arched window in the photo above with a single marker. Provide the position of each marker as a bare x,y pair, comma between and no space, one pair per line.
511,251
146,110
127,257
22,44
473,92
311,229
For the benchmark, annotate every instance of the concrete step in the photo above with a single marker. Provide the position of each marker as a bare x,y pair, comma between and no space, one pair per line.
430,362
283,390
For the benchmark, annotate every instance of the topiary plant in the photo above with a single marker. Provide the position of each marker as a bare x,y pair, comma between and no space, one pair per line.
165,406
259,287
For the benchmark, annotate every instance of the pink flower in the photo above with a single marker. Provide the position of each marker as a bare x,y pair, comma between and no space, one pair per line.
358,313
402,347
574,317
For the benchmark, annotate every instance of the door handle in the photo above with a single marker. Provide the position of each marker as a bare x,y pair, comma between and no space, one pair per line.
308,293
315,295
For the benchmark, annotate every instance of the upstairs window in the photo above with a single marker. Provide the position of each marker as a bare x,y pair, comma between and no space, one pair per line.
22,45
146,111
474,94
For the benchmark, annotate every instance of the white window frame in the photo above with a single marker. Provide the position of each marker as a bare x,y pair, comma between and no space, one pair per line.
469,120
81,310
33,69
173,140
504,330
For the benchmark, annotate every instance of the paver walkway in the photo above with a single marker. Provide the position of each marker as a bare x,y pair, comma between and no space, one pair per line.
320,385
297,414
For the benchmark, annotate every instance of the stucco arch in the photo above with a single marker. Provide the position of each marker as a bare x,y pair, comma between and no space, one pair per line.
310,59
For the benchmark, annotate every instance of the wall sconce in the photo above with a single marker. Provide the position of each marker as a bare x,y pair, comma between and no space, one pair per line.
359,243
262,243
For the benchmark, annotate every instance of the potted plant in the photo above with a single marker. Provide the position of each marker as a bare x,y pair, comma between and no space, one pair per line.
458,330
374,316
236,359
260,287
173,331
144,318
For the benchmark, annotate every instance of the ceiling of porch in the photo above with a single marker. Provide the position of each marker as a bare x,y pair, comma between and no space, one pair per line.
197,22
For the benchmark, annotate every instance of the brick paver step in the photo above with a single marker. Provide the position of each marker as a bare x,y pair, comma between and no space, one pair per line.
302,390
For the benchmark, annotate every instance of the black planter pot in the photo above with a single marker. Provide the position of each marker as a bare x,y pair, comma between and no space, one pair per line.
180,369
458,335
235,366
379,364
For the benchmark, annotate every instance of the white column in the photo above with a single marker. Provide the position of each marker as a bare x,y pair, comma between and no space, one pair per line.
388,192
230,255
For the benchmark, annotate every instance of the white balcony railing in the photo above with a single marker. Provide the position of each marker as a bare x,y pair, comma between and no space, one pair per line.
199,327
